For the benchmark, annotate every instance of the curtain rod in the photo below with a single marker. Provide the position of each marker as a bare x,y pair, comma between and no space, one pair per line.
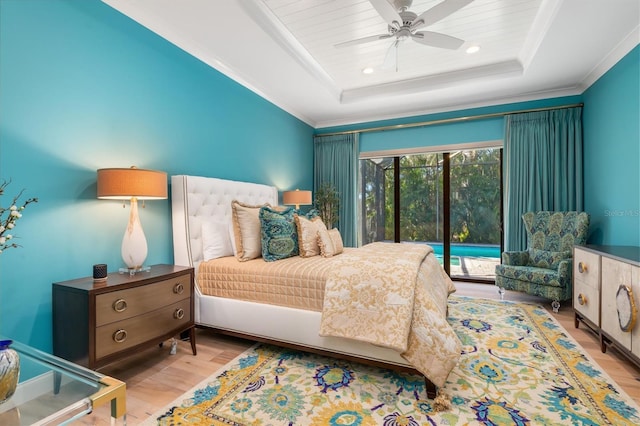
447,120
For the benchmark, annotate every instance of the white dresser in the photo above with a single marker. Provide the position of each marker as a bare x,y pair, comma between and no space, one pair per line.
603,276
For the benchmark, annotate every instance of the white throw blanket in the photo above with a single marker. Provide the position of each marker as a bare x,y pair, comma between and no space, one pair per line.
394,295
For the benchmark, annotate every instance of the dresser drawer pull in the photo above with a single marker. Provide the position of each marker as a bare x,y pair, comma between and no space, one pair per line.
582,299
178,288
582,267
120,305
120,336
179,313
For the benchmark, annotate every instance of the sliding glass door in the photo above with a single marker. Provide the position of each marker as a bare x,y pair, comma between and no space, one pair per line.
475,206
421,206
377,189
449,200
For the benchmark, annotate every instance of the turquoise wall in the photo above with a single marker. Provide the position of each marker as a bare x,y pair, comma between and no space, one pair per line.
612,154
83,87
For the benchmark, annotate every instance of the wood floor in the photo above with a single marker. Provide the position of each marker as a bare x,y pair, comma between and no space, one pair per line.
154,378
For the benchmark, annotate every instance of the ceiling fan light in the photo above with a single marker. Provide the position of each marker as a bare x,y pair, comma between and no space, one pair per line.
473,49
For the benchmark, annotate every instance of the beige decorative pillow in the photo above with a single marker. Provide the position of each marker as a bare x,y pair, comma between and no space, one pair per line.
308,235
336,239
246,230
325,243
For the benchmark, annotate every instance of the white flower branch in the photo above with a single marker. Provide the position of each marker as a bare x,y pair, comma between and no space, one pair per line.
9,216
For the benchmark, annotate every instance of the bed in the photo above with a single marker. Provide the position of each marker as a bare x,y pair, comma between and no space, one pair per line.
198,199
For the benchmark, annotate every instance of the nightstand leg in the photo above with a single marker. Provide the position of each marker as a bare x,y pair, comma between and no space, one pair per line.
192,338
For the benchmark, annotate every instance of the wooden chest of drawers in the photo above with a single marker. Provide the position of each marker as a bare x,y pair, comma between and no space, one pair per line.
97,323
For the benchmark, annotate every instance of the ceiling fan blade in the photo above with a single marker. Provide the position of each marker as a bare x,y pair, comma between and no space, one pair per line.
437,40
388,12
362,40
438,12
391,58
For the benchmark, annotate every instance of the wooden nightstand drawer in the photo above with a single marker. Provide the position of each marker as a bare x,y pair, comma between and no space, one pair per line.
128,333
123,304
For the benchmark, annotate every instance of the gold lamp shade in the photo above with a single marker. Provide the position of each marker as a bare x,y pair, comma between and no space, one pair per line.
296,198
124,184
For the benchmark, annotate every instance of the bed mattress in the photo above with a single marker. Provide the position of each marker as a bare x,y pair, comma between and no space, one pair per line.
295,282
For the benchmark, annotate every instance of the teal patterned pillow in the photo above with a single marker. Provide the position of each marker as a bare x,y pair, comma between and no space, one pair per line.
279,233
547,259
313,213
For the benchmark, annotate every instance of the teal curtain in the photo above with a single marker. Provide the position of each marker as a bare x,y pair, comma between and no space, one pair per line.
336,162
543,167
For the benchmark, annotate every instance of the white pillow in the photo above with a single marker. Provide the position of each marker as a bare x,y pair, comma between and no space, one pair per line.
215,240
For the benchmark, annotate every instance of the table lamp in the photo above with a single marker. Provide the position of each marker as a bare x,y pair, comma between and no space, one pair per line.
296,198
132,184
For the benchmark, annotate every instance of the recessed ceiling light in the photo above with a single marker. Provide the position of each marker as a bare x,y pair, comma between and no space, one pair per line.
473,49
367,70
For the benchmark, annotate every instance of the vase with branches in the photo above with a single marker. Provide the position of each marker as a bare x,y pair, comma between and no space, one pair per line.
328,204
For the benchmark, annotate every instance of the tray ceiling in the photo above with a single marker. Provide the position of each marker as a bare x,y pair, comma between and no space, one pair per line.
285,51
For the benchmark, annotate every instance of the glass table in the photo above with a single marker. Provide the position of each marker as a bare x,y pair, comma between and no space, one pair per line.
59,392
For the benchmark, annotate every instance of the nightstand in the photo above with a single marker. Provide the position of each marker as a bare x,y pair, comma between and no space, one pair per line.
97,323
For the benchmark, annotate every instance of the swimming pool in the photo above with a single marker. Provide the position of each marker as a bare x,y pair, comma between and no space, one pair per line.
486,257
455,260
469,250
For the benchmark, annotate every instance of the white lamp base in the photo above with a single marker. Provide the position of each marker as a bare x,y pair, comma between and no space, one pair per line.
134,243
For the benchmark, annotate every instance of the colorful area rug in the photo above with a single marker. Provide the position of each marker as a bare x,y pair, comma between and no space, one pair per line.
518,366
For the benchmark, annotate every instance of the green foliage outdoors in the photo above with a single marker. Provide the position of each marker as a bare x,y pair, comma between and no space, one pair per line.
475,197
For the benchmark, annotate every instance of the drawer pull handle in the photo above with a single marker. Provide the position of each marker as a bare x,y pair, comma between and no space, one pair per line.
120,305
120,336
178,288
179,313
582,267
582,299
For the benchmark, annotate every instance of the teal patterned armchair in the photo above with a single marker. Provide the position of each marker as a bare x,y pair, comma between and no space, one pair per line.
545,268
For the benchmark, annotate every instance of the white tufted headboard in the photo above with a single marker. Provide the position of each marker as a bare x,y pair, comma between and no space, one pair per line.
197,198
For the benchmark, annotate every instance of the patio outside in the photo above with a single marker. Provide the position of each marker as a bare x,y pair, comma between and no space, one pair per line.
471,261
475,267
405,198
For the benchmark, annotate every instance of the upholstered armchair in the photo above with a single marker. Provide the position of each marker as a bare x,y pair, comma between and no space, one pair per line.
545,268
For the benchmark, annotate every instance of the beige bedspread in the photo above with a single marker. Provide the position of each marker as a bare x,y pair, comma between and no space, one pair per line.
394,295
294,282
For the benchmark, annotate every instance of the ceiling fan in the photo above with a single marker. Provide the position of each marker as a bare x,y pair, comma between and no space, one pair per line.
404,24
